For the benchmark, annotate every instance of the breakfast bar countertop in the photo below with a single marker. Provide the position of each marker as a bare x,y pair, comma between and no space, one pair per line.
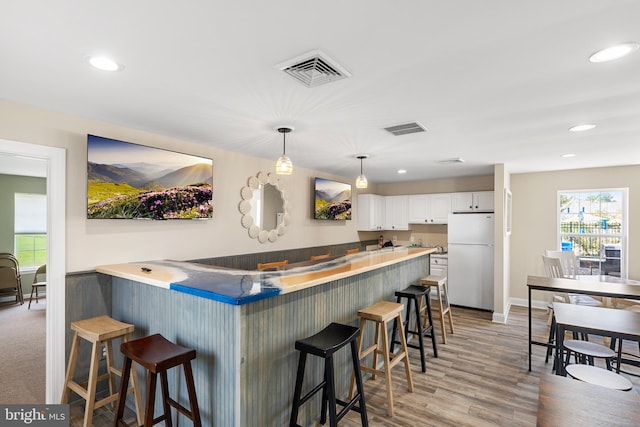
237,287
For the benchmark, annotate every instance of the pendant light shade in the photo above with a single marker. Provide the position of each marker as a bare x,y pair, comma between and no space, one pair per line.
284,165
361,180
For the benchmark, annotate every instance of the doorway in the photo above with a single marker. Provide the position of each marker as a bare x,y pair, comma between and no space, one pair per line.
56,252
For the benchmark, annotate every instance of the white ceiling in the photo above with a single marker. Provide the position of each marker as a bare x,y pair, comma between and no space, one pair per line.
495,81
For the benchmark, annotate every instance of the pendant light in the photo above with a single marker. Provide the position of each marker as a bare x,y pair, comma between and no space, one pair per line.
284,165
361,180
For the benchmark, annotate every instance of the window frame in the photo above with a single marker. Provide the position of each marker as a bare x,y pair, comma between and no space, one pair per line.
624,223
40,229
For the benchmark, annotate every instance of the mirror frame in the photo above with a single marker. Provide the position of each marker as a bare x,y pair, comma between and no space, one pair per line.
248,222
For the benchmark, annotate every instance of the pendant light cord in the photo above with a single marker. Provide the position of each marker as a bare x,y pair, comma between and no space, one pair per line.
284,143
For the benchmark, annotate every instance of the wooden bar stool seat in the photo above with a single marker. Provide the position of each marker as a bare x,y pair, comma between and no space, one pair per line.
598,376
157,355
442,296
272,265
381,313
99,331
324,344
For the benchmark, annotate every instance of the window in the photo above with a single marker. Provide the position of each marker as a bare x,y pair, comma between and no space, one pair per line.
30,229
592,224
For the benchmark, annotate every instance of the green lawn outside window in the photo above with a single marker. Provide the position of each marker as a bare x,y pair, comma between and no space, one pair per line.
31,249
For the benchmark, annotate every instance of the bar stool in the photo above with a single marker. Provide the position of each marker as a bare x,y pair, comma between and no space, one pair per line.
324,344
157,355
415,295
272,265
598,376
588,350
440,283
382,313
99,331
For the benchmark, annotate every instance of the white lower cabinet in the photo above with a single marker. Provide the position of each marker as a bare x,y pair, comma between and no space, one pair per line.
439,265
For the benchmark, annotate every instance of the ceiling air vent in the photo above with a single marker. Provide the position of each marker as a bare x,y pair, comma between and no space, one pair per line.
406,128
451,161
314,68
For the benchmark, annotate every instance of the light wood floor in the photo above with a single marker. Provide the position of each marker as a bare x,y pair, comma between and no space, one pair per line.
480,378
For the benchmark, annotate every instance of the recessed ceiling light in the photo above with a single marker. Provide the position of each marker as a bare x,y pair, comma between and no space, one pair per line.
568,155
104,63
402,171
581,128
614,52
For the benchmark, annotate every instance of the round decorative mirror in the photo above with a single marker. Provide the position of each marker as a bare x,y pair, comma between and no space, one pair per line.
264,207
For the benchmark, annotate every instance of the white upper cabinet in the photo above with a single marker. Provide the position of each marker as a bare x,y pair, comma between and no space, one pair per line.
371,212
429,208
396,213
480,201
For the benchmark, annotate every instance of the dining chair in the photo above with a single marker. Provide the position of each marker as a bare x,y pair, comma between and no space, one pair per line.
568,260
10,280
323,256
275,264
38,284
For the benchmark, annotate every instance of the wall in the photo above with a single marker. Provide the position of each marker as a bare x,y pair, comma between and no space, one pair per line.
502,241
9,185
95,242
535,217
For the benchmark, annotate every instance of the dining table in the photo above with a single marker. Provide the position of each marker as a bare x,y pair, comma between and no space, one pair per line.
601,286
602,321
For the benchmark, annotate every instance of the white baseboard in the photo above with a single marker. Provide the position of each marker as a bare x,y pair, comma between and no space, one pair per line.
521,302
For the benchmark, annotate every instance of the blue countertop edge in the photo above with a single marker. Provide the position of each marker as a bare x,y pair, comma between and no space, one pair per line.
224,298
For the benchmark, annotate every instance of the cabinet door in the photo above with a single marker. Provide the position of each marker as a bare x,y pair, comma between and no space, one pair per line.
370,212
418,208
462,202
438,270
440,208
396,212
483,201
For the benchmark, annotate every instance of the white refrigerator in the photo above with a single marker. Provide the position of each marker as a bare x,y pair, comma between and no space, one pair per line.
470,275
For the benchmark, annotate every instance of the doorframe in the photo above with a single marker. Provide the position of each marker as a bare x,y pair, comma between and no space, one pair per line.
56,259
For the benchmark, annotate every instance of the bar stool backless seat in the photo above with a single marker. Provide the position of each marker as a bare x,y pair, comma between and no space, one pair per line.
598,376
381,313
157,355
99,331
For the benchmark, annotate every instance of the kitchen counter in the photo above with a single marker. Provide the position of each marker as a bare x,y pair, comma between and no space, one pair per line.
238,287
244,323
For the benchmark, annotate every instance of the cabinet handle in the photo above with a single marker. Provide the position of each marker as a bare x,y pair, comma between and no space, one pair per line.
471,207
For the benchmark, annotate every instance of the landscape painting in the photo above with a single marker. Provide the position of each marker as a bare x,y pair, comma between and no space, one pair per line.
131,181
332,200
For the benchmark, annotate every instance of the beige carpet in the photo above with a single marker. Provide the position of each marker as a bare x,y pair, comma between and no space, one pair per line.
22,353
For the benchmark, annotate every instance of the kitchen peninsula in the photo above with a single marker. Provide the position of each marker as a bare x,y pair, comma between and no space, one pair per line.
243,323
